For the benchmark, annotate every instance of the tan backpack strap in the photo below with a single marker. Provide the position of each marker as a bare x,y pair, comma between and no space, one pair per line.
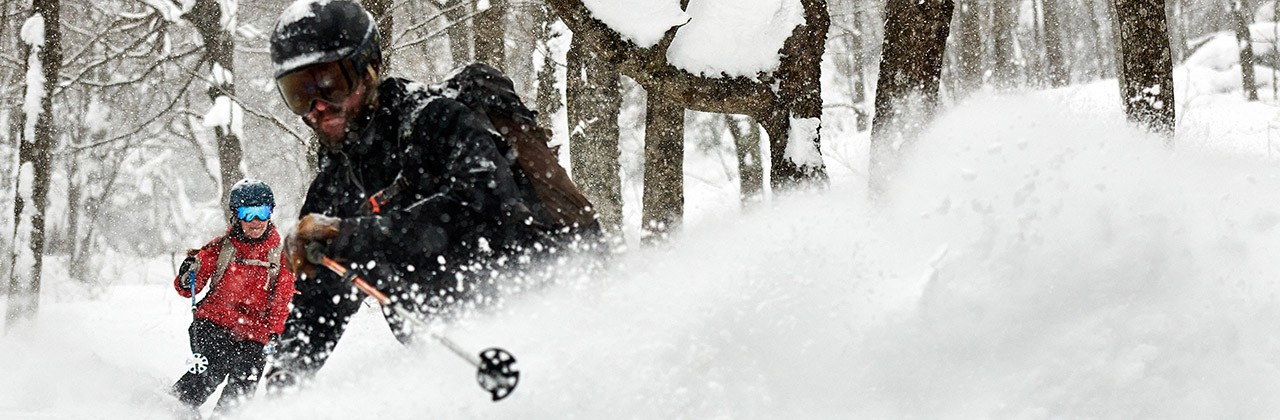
273,271
225,255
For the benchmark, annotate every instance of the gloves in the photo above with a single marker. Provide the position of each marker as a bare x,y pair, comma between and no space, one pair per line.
189,265
312,228
272,345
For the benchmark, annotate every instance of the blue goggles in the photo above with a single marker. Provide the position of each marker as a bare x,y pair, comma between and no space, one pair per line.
248,213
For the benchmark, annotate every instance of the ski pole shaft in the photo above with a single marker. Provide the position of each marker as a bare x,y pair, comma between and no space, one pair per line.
386,301
495,367
193,292
191,253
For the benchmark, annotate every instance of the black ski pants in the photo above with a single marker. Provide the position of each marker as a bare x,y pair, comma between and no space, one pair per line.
238,362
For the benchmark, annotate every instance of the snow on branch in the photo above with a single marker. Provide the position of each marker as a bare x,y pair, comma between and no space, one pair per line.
715,37
33,35
228,8
227,115
802,142
170,10
643,22
735,37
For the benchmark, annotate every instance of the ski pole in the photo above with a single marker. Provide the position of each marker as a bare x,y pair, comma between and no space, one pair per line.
193,293
197,363
495,372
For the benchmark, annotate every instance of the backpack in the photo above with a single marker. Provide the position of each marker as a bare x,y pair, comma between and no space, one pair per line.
490,93
227,254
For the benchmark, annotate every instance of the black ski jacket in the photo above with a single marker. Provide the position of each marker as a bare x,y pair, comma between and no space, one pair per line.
461,201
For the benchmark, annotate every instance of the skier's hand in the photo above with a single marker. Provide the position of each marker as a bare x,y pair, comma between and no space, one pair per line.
273,344
317,227
186,264
312,228
189,265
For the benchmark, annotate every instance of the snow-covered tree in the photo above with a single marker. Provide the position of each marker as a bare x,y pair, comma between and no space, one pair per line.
216,20
42,36
703,59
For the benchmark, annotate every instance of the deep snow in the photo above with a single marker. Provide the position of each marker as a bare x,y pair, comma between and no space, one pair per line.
1036,258
1033,261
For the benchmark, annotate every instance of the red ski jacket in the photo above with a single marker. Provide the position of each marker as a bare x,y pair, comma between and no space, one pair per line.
243,302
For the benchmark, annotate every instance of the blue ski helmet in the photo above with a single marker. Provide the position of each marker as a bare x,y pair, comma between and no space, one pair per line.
250,192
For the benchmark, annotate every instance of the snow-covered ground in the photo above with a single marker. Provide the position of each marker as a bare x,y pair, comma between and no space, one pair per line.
1038,258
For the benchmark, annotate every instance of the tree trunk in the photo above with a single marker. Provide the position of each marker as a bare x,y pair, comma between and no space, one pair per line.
1117,48
490,37
548,100
800,91
456,11
663,205
1148,68
1177,32
969,44
1104,51
746,138
206,16
858,51
1058,71
915,38
1004,19
1241,11
35,159
594,93
381,10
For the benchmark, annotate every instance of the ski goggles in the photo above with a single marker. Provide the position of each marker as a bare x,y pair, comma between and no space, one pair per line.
248,213
331,82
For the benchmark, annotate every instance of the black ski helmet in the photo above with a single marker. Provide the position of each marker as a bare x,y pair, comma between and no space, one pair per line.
249,193
319,31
